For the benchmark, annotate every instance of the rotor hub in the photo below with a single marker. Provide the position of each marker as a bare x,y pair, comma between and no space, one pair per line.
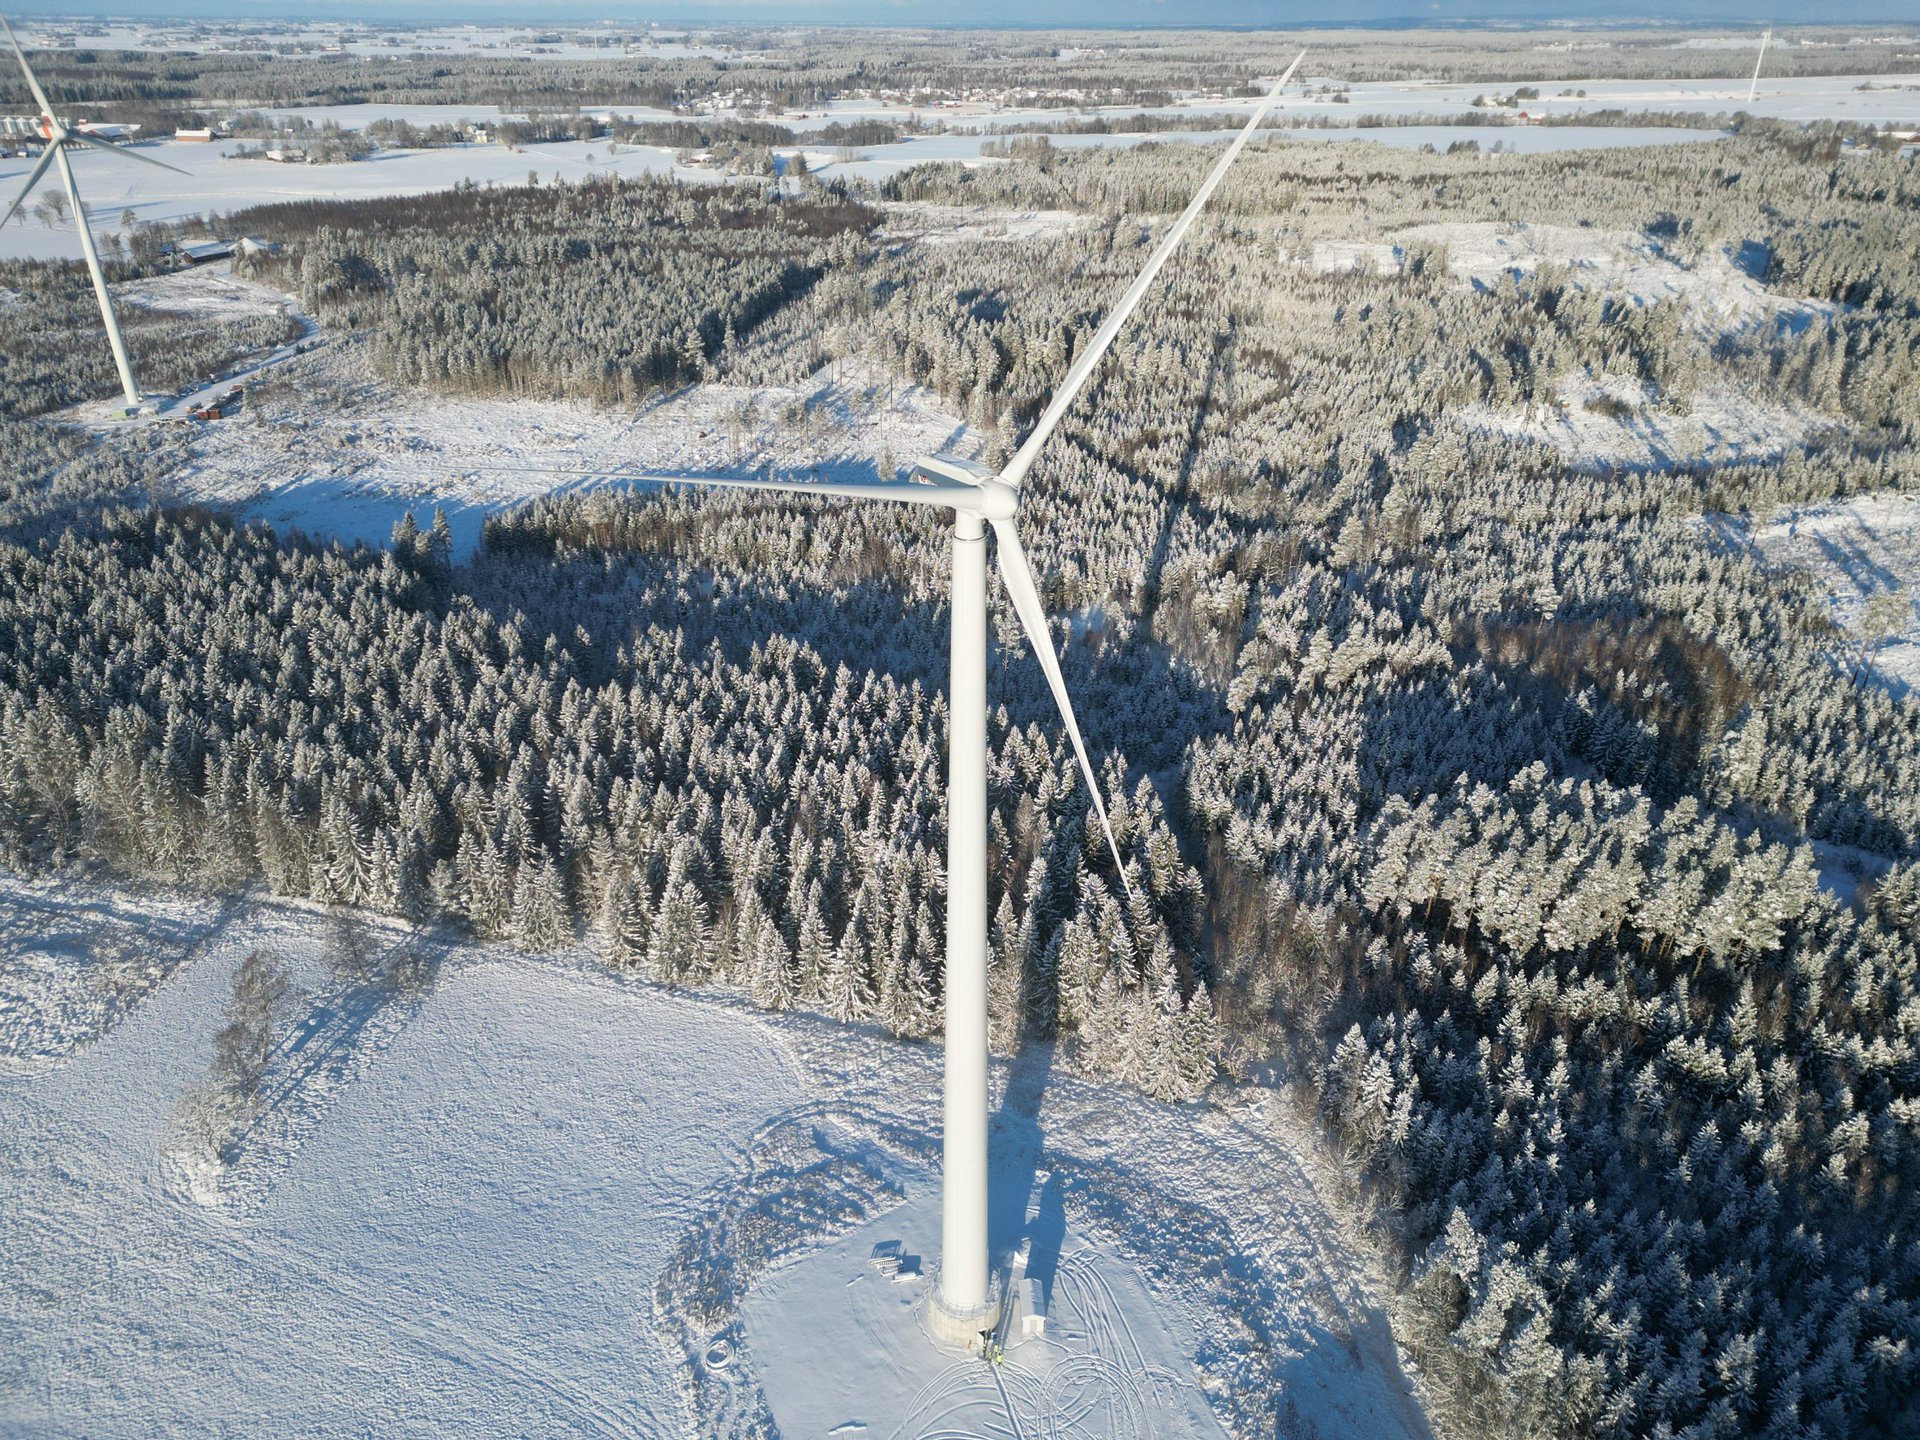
998,500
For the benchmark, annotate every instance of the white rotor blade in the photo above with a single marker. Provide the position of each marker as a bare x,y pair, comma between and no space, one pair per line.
127,151
1082,370
1017,575
46,106
953,497
33,179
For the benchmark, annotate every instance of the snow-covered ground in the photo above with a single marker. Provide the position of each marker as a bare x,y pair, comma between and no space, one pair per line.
210,290
464,1243
75,964
1857,550
348,455
1611,421
500,1200
870,1362
213,291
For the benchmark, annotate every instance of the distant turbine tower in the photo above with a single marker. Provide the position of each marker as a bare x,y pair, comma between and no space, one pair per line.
58,138
964,1304
1754,84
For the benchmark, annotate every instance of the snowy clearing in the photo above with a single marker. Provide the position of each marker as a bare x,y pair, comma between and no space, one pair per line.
1610,421
212,290
1856,550
1720,286
496,1204
952,224
348,455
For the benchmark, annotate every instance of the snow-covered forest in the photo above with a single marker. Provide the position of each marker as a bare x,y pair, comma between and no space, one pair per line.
1562,857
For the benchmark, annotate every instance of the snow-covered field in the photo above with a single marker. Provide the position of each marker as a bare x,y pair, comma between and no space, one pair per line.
464,1243
500,1198
350,454
1857,550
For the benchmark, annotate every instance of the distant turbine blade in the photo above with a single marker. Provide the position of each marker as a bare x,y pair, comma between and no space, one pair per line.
1083,368
125,150
39,95
33,179
1753,85
1017,575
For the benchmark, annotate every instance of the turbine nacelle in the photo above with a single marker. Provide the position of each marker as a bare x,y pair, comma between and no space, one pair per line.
945,469
989,497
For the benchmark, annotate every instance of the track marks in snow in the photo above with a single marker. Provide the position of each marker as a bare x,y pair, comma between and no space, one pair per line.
464,1242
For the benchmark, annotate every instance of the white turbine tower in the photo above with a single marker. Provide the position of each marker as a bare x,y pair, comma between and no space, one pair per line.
964,1303
58,138
1753,85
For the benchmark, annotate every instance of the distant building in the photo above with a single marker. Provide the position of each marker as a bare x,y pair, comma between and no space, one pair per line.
198,137
199,252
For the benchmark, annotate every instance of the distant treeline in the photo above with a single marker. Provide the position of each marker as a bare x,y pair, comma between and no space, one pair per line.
802,69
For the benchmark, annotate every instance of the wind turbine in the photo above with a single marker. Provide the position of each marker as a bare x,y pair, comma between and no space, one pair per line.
1753,85
963,1305
58,138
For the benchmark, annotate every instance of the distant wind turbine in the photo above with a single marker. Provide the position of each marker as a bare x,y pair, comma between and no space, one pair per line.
1754,84
963,1304
58,138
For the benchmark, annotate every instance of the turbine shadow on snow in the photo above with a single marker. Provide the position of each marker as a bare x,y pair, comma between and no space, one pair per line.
1019,1143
